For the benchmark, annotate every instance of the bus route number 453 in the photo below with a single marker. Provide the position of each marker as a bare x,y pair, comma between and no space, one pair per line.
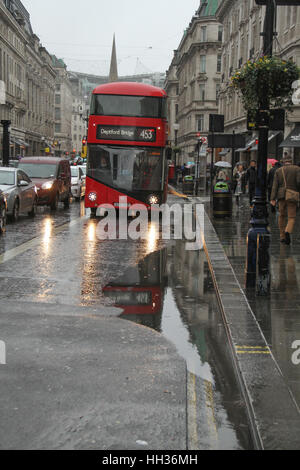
147,134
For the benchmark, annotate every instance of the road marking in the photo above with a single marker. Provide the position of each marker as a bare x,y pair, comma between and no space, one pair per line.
210,411
175,193
10,254
192,412
252,350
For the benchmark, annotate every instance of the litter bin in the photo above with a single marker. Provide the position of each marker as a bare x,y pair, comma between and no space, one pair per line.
222,200
188,185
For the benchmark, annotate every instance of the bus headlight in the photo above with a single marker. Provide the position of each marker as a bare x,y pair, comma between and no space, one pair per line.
92,197
153,200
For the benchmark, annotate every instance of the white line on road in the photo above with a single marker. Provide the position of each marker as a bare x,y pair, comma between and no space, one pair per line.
10,254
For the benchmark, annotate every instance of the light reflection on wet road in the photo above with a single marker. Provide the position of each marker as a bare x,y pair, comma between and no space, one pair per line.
157,284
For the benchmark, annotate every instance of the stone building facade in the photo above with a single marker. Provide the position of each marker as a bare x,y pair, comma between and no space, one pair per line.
193,81
63,109
80,110
40,98
243,21
27,83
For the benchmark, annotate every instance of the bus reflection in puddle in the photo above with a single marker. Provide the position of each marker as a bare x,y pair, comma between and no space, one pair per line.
140,291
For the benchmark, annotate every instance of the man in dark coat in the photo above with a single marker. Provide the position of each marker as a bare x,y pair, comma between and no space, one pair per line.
251,180
291,174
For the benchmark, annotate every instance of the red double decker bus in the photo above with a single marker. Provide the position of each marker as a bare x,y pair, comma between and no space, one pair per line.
127,146
140,291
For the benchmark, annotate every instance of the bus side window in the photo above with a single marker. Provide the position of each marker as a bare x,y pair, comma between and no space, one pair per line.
115,167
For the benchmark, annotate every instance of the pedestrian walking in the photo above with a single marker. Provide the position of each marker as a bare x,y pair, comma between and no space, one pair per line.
271,175
251,180
285,190
238,181
222,176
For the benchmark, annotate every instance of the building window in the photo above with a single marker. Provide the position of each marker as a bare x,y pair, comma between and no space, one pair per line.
57,128
220,34
202,92
219,63
200,123
203,36
57,99
57,114
203,63
218,88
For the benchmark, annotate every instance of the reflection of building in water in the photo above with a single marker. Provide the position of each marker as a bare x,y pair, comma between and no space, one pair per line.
195,299
189,269
140,291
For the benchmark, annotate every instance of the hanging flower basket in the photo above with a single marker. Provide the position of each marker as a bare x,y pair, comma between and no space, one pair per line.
267,77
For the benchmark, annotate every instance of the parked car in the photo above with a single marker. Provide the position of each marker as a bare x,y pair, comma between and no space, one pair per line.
52,176
14,163
20,192
78,182
3,209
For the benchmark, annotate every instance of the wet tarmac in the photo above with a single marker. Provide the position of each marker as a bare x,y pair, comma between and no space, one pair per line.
278,314
57,259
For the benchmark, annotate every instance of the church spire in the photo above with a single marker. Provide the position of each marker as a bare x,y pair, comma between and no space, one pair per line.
113,74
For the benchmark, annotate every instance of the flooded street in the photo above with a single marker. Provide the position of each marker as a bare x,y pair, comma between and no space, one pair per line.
154,284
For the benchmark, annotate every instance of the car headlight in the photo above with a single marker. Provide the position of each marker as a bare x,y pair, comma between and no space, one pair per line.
47,185
92,197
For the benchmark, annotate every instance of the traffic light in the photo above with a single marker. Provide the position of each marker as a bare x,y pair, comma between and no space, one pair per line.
84,148
198,146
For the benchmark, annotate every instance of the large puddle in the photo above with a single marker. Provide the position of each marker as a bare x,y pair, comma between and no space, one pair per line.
171,291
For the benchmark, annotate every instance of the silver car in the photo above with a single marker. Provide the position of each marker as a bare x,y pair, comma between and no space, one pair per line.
20,192
78,182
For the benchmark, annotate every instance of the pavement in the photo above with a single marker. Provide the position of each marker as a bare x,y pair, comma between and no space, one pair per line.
261,330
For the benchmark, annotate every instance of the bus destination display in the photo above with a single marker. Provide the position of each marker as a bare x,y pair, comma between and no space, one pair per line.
126,133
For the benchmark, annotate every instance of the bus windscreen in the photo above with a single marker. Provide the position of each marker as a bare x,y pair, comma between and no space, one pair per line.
128,106
129,169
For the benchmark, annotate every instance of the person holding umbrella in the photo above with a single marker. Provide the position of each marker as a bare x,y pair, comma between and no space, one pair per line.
238,180
222,175
251,180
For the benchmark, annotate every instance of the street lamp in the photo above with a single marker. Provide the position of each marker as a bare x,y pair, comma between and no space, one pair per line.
5,151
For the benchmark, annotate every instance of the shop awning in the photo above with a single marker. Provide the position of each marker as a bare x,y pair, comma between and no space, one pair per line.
224,152
16,140
271,137
293,140
22,143
248,146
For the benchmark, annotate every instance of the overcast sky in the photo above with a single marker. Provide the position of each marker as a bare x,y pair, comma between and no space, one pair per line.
81,32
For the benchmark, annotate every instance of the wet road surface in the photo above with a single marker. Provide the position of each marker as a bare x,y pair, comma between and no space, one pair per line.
278,314
58,260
